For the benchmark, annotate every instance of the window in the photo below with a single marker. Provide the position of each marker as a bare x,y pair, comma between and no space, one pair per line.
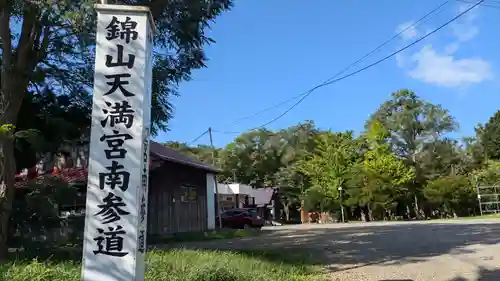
188,193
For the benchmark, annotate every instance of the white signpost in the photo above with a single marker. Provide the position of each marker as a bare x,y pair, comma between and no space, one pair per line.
117,195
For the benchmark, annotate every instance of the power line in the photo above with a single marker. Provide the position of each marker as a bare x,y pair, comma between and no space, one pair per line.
198,137
378,48
308,93
483,5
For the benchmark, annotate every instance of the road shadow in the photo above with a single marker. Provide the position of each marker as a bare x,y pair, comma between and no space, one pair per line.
484,274
339,249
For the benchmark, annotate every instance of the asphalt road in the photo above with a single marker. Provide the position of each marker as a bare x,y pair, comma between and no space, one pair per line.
465,250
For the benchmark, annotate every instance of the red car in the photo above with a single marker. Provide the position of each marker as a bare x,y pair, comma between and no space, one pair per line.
240,218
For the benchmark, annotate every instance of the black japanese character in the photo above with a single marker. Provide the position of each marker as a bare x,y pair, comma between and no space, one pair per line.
121,112
113,29
110,242
127,31
111,210
119,61
117,83
116,177
143,208
115,142
145,163
142,241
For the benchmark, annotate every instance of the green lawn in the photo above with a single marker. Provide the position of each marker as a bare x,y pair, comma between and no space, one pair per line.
203,236
184,265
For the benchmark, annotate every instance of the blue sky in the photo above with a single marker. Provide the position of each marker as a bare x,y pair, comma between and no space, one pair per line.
269,51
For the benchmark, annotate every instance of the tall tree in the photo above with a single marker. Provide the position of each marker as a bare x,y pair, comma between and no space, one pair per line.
491,137
50,45
330,166
382,176
413,124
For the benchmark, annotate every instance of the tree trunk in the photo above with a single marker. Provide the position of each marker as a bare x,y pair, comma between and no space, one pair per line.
363,214
370,212
417,209
286,208
7,190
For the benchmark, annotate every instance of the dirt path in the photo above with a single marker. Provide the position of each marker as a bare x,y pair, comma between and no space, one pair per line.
410,251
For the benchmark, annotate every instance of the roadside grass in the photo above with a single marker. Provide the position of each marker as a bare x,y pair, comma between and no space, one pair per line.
483,217
489,216
203,236
183,265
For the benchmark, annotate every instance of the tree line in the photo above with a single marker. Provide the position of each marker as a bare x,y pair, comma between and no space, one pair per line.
403,165
47,54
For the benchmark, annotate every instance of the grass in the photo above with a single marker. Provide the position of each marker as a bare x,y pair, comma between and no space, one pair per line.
489,216
183,265
203,236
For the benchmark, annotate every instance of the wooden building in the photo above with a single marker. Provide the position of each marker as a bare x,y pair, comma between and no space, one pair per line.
181,189
181,193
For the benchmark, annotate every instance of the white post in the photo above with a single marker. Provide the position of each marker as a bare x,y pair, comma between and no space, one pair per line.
211,187
117,193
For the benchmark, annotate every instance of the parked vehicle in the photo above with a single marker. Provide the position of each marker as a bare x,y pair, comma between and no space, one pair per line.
240,218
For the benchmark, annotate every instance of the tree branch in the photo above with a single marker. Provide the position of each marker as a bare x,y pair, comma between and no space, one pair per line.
6,42
42,51
26,39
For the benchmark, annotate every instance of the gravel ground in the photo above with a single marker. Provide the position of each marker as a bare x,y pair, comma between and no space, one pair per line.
459,250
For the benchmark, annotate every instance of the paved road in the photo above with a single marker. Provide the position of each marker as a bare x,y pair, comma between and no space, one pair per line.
466,250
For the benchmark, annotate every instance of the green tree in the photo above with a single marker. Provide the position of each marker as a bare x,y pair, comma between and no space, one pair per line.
490,137
56,119
251,159
489,174
49,45
382,176
202,153
414,126
454,194
330,166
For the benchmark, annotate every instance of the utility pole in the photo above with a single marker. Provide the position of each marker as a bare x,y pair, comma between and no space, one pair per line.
341,203
215,178
478,196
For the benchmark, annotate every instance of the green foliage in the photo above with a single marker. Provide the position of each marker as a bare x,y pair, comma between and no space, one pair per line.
63,33
183,265
395,168
453,194
7,129
330,166
489,174
36,212
490,137
379,180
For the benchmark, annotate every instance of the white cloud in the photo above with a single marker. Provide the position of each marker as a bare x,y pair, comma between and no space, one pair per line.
448,71
409,33
464,28
445,68
451,48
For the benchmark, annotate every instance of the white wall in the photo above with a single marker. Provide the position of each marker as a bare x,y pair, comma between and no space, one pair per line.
234,188
210,201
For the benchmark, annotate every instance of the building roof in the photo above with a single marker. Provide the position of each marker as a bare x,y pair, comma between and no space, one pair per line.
80,174
169,154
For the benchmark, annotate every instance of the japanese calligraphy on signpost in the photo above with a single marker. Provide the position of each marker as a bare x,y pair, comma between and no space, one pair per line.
116,212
